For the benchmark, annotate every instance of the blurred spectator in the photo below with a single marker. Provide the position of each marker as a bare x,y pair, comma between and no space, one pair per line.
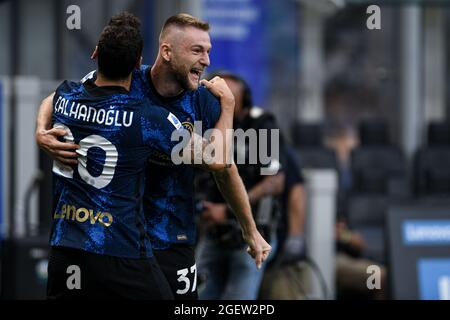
229,271
290,233
278,283
342,139
351,268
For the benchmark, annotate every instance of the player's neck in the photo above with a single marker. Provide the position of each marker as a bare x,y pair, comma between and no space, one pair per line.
164,81
101,81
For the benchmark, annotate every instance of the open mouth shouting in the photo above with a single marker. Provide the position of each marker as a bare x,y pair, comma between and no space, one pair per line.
195,74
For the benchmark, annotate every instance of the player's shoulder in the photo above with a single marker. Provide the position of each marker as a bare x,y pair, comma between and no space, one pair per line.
139,83
147,108
140,72
203,92
159,115
204,97
68,86
144,68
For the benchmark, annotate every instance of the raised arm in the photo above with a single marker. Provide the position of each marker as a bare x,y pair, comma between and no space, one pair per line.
221,138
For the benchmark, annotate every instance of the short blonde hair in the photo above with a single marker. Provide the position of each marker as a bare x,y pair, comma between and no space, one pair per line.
183,20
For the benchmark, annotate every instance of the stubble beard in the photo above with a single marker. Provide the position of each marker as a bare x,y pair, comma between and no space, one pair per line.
181,75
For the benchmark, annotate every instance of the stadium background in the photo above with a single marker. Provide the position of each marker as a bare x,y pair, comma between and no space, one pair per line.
317,67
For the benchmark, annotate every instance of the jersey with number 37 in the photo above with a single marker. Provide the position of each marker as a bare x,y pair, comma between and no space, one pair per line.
98,203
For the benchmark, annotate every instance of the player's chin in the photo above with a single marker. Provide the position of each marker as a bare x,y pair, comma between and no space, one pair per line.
193,82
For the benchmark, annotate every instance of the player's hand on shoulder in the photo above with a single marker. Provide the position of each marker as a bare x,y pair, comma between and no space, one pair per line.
63,152
220,89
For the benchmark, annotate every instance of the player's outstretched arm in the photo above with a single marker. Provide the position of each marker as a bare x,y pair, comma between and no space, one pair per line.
233,190
47,137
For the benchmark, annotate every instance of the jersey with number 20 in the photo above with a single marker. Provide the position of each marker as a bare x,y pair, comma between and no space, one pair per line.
98,203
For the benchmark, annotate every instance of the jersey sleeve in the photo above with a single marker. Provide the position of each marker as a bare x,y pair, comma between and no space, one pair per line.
157,126
209,108
66,87
63,86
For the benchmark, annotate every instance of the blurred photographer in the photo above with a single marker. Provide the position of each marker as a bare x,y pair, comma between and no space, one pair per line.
285,278
222,259
290,233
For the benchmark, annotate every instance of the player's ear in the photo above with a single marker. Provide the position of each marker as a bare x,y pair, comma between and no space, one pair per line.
166,51
95,53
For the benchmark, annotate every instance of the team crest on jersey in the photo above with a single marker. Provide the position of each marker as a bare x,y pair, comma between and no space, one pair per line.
188,126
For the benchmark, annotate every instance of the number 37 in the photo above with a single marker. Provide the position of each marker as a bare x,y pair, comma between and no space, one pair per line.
182,273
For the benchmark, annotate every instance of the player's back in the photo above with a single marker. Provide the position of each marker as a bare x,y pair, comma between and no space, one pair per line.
98,204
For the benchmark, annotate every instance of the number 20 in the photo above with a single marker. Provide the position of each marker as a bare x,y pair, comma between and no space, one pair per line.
85,144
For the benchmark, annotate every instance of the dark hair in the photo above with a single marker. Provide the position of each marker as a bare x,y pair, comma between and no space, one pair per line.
247,100
125,19
183,20
119,47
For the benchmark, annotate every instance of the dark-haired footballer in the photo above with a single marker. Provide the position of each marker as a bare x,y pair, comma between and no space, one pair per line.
98,221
